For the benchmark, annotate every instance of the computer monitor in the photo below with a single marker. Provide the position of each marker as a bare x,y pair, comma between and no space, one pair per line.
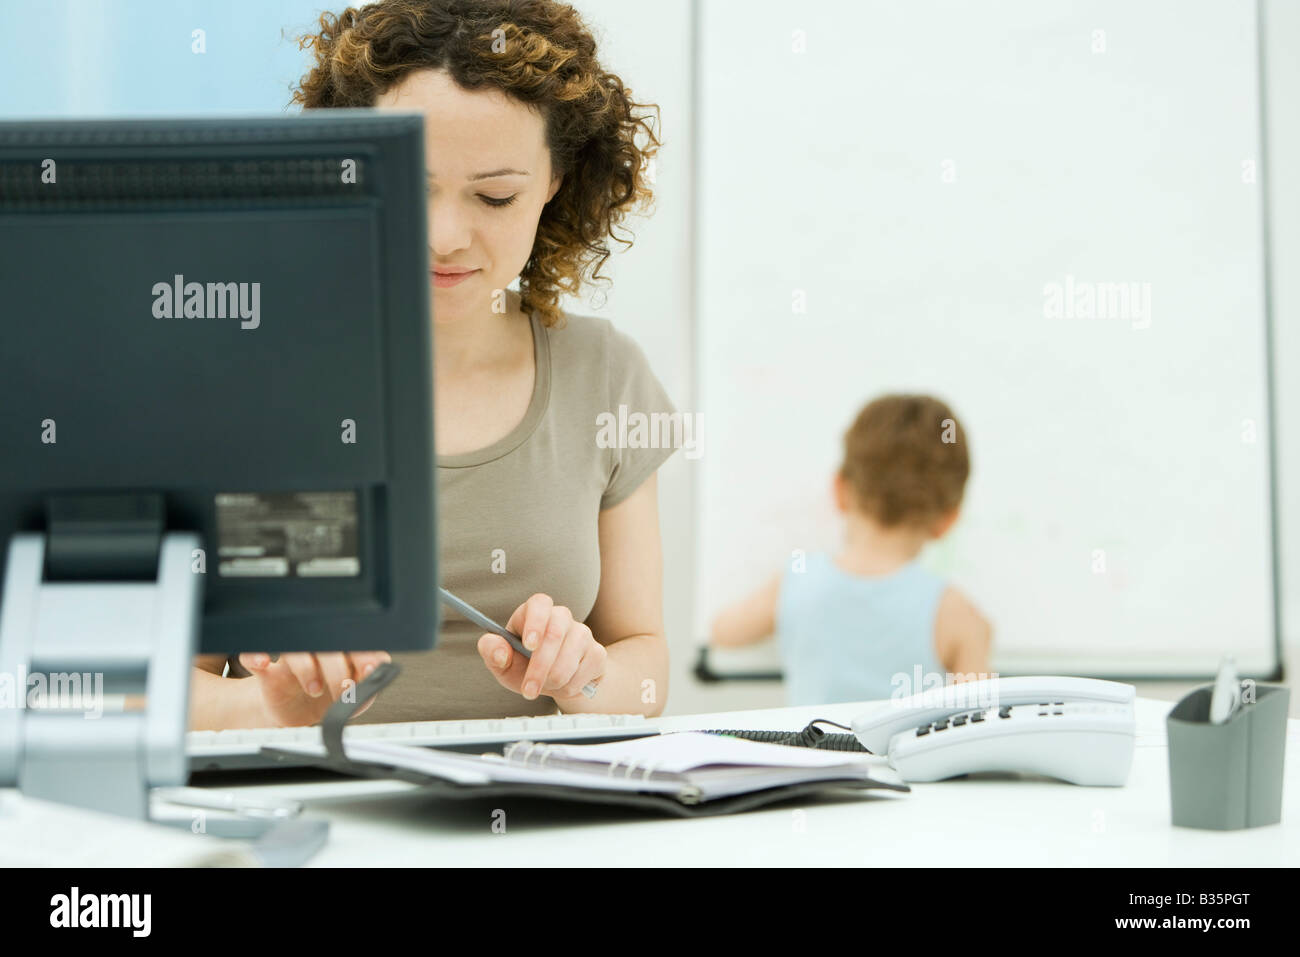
216,402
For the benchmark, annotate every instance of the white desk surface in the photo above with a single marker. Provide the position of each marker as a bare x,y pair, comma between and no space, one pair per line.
981,821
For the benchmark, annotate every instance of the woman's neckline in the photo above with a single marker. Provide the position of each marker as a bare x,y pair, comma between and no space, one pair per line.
536,407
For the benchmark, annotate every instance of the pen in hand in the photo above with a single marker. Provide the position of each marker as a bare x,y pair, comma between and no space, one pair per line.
483,621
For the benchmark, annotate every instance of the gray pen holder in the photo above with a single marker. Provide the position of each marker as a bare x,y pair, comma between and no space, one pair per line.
1227,776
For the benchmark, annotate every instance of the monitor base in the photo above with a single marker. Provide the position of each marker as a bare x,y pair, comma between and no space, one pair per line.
66,646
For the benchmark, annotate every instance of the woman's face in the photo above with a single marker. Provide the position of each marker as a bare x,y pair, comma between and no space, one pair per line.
482,222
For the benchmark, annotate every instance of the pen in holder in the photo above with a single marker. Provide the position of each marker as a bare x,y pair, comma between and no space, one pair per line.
1227,776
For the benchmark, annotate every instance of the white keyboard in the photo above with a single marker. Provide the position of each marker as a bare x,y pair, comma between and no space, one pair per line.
239,748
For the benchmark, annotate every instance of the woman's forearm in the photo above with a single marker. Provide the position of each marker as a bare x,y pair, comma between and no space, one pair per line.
635,679
217,702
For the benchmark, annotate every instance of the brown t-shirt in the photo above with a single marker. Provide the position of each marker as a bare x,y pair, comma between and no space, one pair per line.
520,516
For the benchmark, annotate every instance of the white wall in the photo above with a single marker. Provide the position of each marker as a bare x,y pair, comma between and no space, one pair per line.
1282,78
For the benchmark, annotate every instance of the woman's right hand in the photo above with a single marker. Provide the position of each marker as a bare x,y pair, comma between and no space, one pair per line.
301,686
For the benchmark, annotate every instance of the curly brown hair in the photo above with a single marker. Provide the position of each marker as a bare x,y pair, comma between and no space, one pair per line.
906,460
541,53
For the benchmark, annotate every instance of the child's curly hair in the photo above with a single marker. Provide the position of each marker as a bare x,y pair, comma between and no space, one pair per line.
905,460
539,52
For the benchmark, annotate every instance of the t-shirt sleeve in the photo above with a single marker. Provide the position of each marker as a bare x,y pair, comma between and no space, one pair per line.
642,421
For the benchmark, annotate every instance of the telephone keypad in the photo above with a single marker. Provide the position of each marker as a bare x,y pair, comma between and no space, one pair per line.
978,717
954,721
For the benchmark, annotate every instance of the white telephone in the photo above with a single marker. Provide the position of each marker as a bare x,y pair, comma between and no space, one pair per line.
1080,730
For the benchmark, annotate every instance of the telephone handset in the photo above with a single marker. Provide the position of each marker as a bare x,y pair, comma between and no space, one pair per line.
1077,729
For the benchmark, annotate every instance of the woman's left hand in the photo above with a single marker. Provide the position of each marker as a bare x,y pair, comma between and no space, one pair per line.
565,653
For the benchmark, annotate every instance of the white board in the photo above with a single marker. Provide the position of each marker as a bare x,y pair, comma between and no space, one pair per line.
920,176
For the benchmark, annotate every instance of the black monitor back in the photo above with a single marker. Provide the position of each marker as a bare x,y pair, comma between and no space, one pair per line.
223,325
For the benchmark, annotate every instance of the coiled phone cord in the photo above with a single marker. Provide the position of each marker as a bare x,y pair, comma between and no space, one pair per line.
810,737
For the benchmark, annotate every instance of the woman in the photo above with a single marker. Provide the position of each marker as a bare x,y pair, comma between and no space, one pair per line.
532,159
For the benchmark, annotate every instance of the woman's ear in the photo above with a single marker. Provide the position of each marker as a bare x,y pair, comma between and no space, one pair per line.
555,187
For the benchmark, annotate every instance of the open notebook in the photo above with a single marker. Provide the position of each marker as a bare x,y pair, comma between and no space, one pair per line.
687,773
688,767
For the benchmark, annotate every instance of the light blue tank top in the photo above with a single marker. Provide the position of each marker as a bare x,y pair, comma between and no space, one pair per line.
846,637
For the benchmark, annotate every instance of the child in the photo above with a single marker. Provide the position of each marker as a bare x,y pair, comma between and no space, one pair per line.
868,621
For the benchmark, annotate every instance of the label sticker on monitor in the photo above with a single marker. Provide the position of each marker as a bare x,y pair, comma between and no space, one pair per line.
287,535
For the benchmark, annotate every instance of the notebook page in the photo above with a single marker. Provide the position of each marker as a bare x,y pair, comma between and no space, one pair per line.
713,779
716,782
487,768
709,783
403,755
681,751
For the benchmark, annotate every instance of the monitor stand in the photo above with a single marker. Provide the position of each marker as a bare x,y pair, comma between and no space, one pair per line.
84,642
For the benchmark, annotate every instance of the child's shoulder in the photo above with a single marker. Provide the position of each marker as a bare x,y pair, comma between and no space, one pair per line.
957,617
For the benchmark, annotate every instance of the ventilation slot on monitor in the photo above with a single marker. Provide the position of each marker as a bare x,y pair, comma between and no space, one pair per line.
79,184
